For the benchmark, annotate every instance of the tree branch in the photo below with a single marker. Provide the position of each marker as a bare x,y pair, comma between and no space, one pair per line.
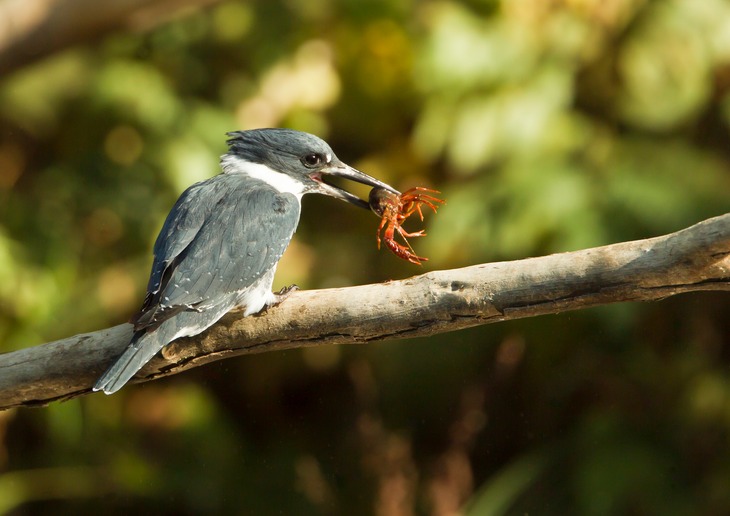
33,29
694,259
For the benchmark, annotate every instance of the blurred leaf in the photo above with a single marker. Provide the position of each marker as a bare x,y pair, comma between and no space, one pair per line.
498,494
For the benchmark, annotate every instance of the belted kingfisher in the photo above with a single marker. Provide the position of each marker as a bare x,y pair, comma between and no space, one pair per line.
219,246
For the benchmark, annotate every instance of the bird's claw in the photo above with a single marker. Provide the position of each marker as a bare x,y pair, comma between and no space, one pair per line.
278,298
284,292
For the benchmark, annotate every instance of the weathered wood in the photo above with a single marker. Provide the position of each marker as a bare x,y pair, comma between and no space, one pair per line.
694,259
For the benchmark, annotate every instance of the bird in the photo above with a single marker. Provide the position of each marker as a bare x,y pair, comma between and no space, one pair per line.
220,244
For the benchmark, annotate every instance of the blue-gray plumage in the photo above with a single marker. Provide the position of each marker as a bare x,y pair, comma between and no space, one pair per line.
220,244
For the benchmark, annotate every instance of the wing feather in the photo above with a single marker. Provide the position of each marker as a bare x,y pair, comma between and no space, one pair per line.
221,236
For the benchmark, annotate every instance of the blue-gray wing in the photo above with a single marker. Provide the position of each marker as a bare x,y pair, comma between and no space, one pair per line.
220,237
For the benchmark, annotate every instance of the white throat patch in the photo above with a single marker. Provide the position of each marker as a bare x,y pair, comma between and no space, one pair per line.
280,181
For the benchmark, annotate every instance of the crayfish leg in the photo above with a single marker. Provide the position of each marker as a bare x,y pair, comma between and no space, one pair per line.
405,253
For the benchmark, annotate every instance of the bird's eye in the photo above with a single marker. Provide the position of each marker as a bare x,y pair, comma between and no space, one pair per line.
312,160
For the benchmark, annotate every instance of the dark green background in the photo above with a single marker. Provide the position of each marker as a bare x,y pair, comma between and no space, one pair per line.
548,126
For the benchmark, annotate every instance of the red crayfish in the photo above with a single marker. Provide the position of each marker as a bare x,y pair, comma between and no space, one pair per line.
394,209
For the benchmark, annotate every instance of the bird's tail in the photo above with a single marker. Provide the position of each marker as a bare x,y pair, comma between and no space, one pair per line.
141,349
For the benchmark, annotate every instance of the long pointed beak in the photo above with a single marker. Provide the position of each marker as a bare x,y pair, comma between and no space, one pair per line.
346,171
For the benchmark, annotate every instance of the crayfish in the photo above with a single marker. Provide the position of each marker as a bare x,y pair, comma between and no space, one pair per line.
394,209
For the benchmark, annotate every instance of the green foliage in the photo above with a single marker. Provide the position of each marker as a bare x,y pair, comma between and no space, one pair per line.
548,126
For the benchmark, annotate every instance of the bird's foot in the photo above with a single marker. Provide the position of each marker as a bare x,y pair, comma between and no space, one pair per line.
285,292
279,297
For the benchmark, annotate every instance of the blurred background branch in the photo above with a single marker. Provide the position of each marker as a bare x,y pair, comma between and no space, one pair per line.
33,29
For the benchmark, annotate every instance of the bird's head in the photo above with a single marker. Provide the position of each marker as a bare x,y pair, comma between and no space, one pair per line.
296,161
